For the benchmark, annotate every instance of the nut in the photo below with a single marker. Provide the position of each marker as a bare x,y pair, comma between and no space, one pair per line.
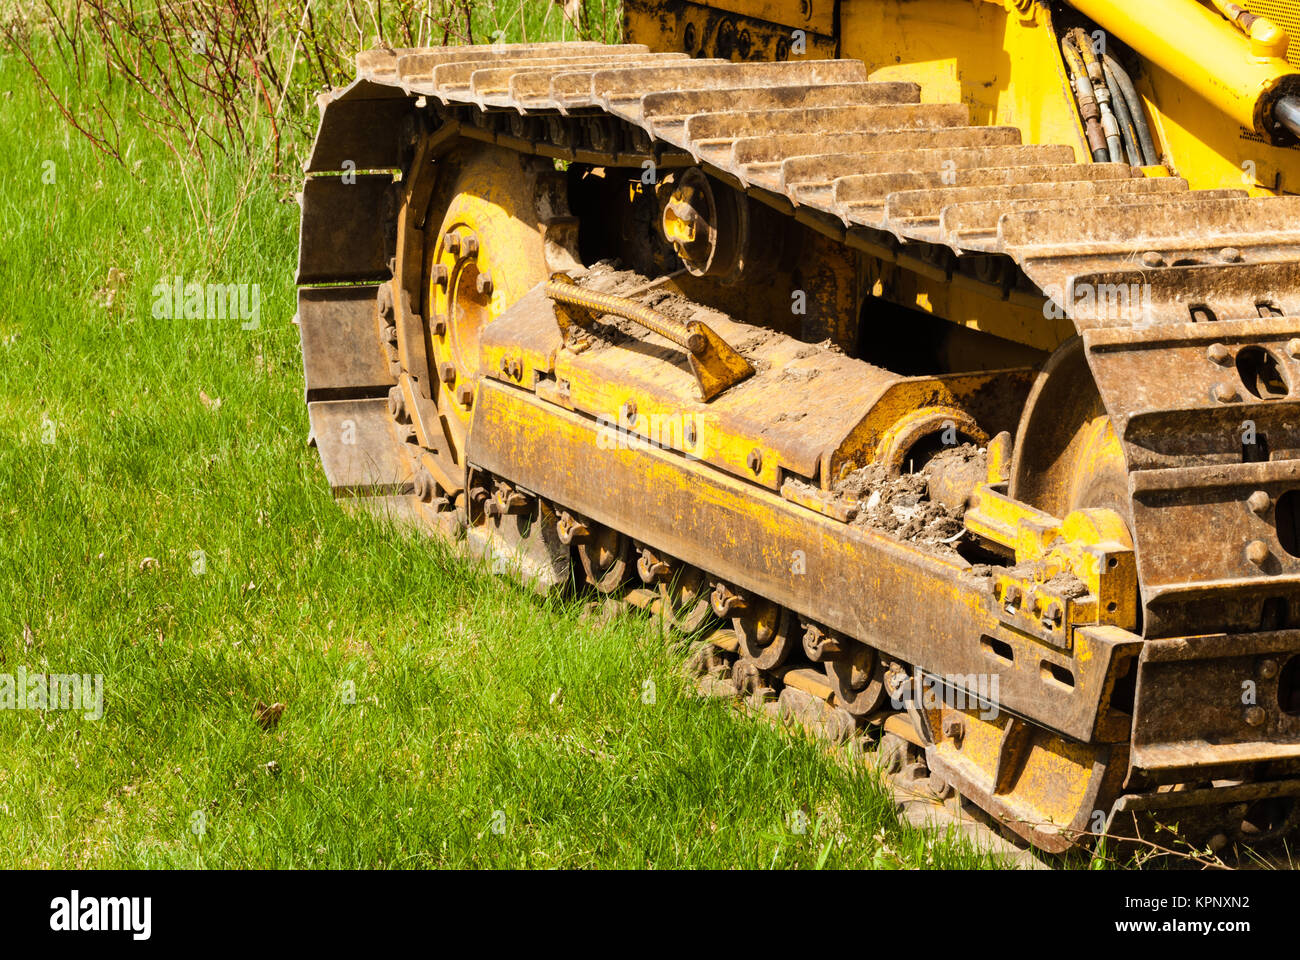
1218,353
1258,502
465,394
424,486
447,372
1224,393
754,461
484,283
954,729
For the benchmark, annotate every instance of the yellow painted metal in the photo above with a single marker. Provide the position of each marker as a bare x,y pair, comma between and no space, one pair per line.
1202,49
1037,783
1267,39
1093,545
491,249
1006,68
1285,14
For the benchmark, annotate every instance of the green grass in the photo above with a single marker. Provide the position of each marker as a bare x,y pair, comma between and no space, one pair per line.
456,673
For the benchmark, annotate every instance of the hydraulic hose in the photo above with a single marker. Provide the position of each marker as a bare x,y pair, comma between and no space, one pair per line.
1097,77
1150,156
1126,127
1087,99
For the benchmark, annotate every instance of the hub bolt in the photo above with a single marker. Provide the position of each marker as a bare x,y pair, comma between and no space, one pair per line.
396,404
484,283
954,729
447,372
424,486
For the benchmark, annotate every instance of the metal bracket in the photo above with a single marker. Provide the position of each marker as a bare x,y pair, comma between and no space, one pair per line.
713,361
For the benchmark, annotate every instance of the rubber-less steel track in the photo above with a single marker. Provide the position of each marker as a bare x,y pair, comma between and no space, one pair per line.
1215,274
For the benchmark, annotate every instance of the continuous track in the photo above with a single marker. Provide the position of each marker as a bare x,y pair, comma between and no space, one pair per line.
1209,342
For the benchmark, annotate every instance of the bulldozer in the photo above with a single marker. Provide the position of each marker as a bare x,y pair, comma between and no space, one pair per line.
937,361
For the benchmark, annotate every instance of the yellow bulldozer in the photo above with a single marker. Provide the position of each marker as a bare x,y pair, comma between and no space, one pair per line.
937,360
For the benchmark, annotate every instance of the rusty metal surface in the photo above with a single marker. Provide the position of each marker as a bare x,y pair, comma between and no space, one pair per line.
947,197
1207,343
341,353
857,581
344,236
361,453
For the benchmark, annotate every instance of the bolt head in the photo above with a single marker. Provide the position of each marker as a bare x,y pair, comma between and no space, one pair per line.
469,246
385,302
465,394
438,325
447,372
484,283
1258,502
1255,716
629,413
1293,348
1257,551
1218,353
424,486
1268,669
440,274
452,244
1230,255
754,461
1152,259
1224,393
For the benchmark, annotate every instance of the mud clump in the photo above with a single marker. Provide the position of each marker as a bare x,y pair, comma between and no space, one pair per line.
917,507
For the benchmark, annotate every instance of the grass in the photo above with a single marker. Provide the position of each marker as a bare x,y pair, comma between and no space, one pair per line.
490,728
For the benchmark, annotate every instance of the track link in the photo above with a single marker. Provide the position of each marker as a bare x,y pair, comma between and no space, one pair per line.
1177,369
